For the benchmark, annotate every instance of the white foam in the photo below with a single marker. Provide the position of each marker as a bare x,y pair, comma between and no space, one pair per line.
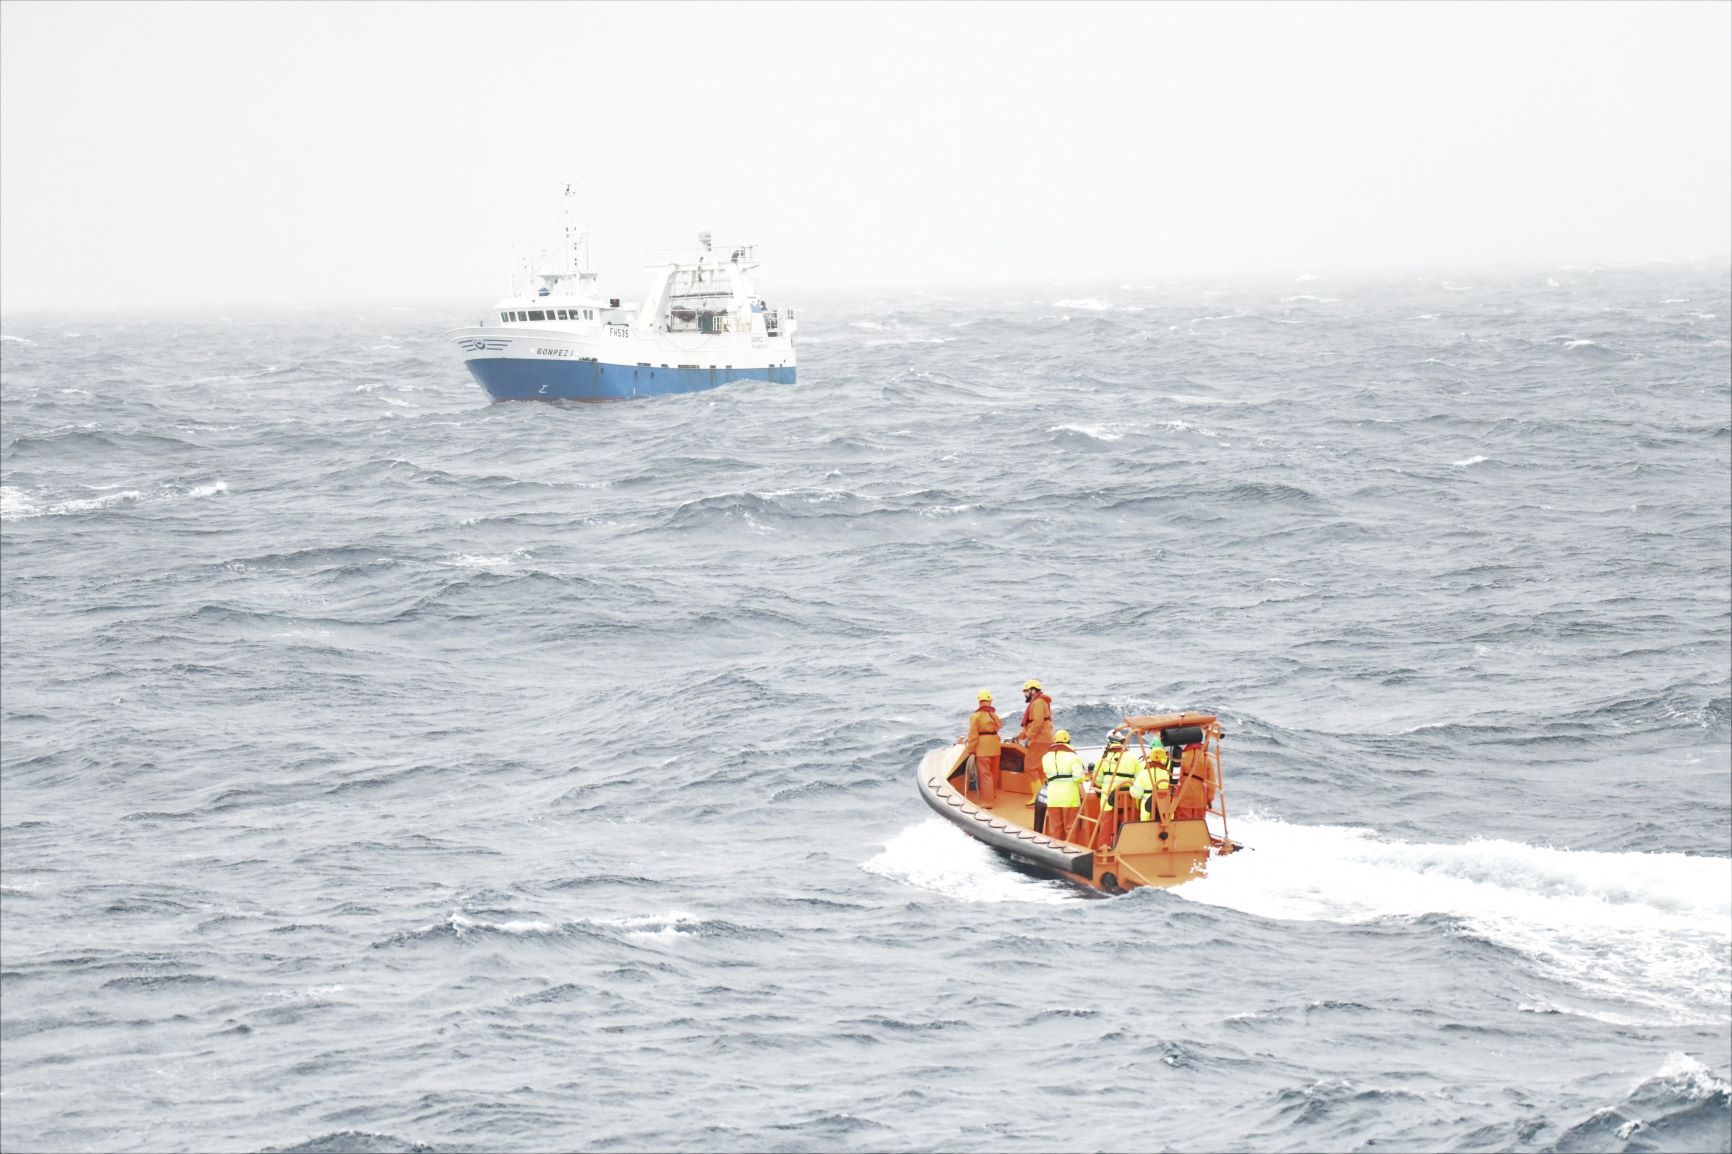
309,992
1582,344
1688,1075
1473,460
936,856
463,925
16,503
85,505
1189,399
663,927
1653,929
19,340
482,561
1104,433
1087,304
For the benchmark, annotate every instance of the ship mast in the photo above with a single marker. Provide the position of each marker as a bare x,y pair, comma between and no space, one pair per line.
575,237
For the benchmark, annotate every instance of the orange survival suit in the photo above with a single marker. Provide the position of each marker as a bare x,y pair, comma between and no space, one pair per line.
983,743
1036,732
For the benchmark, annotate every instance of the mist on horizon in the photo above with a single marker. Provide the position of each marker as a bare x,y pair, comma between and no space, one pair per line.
172,155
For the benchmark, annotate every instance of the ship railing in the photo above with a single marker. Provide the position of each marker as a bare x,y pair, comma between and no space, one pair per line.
716,255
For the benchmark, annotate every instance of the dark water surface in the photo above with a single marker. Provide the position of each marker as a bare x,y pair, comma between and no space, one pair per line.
386,770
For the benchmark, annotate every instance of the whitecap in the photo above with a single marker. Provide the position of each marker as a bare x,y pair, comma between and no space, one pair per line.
673,924
1687,1075
16,503
1473,460
462,925
1104,433
1191,399
91,504
483,561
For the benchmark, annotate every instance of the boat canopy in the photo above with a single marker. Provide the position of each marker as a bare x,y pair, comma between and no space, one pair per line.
1154,723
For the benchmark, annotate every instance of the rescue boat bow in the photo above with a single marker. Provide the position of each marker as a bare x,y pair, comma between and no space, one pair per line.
1164,840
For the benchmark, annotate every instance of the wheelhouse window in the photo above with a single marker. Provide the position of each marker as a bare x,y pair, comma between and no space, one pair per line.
537,315
505,316
562,315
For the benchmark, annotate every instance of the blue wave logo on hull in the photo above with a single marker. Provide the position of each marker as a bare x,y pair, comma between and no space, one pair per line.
521,379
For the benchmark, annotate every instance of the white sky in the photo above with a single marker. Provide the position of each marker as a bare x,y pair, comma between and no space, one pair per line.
163,154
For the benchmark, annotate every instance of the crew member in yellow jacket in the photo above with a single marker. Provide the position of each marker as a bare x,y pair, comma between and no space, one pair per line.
1061,796
1153,781
1116,770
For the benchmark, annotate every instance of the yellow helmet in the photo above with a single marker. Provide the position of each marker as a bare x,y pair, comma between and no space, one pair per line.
1062,737
1031,683
983,695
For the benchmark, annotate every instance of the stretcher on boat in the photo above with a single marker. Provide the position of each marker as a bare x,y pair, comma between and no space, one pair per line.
1128,844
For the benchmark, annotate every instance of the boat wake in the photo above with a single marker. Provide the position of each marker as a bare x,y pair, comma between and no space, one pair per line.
1653,929
934,855
1650,930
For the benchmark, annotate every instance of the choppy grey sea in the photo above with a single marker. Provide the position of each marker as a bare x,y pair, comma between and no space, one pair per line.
387,770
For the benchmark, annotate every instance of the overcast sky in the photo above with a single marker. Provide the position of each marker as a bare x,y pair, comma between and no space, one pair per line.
164,154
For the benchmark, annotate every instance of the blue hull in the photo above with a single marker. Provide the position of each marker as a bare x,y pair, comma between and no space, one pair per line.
522,379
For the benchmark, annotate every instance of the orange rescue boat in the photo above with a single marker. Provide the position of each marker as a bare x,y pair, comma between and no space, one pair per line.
1112,851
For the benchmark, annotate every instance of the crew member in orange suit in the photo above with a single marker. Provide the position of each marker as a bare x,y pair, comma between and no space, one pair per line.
1036,732
982,742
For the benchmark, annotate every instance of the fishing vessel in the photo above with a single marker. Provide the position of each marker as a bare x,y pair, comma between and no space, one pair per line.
1112,849
557,337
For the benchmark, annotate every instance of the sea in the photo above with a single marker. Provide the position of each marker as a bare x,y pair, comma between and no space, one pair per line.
387,770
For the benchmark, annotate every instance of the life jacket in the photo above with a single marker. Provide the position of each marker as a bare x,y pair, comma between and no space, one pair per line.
1028,710
1115,768
1154,777
984,738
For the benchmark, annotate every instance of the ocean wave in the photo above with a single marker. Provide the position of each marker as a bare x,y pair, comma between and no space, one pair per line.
579,739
